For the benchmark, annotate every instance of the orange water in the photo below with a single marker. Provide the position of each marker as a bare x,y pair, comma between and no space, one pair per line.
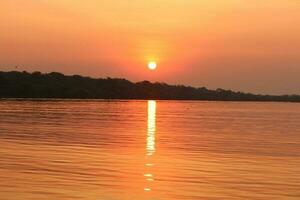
149,150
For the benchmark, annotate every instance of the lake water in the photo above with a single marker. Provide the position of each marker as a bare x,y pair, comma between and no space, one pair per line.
149,150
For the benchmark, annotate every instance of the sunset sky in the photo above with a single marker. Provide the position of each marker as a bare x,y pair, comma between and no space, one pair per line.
247,45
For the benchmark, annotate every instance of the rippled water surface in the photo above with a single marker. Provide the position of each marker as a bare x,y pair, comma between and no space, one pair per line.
148,150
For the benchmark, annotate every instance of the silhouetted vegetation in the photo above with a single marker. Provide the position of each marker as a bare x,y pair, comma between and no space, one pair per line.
56,85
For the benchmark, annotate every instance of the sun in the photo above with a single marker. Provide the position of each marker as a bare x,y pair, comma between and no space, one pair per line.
152,65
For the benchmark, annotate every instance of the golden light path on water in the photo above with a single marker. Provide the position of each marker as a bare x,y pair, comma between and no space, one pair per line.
150,146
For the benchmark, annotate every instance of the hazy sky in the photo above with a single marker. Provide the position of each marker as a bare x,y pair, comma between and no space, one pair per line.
247,45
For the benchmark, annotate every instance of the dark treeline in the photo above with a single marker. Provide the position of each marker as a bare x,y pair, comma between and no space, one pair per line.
56,85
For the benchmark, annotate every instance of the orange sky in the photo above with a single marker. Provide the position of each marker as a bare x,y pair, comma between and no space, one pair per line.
248,45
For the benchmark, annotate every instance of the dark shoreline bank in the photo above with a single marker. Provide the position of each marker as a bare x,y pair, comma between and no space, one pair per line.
24,85
111,100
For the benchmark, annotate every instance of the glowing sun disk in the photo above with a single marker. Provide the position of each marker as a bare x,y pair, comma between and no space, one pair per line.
152,65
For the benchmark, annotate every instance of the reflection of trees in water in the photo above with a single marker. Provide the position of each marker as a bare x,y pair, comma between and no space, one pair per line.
68,122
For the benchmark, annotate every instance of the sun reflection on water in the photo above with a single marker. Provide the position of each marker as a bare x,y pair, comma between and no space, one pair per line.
150,145
151,127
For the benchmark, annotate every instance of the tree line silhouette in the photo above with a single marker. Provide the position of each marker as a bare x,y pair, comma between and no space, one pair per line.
16,84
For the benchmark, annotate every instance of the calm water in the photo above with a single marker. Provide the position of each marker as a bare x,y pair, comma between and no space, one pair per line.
149,150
